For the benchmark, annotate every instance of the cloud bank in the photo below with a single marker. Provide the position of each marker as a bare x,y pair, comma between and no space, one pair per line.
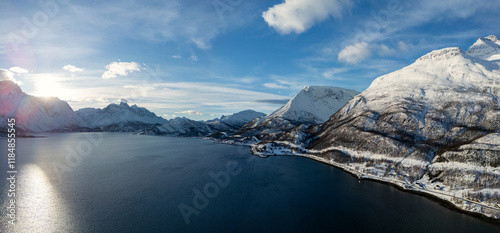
116,69
72,68
6,75
299,15
191,112
354,54
18,70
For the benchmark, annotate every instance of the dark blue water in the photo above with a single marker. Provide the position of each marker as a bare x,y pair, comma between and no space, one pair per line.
126,183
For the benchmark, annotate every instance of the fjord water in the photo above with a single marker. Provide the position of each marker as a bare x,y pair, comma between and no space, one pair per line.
114,182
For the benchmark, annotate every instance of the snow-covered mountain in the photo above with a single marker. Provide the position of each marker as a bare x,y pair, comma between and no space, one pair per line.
234,121
431,127
189,128
119,118
35,114
180,126
312,105
487,48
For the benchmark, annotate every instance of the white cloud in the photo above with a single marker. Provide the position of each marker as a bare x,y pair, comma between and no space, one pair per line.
122,100
274,86
191,112
332,73
299,15
6,75
18,70
72,68
176,56
383,50
354,54
121,69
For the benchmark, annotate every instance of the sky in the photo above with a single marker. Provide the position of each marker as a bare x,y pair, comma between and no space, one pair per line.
203,59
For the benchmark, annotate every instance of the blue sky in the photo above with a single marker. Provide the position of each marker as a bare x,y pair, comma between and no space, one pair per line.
202,59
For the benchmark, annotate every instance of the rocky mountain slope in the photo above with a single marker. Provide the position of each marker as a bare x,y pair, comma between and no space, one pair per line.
180,126
311,106
35,114
431,127
119,118
234,121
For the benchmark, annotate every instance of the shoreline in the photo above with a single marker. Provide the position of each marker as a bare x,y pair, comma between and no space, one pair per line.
443,198
443,202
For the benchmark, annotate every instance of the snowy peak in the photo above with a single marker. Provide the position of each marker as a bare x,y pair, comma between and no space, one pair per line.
242,117
35,114
180,126
124,107
7,87
444,68
116,107
442,54
115,114
314,104
492,38
234,121
486,48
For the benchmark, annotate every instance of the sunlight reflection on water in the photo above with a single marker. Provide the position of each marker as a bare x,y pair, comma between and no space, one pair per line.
40,209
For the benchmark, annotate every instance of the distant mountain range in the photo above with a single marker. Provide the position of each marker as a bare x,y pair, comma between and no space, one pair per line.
119,118
187,127
431,127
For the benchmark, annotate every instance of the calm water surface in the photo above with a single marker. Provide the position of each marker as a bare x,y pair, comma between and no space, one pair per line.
80,182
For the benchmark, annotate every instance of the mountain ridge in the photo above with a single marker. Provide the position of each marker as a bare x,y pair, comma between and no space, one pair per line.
35,114
119,117
182,126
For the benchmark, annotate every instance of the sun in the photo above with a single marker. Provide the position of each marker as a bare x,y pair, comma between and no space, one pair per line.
51,88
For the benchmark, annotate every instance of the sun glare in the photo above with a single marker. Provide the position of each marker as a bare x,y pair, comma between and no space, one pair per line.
49,87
